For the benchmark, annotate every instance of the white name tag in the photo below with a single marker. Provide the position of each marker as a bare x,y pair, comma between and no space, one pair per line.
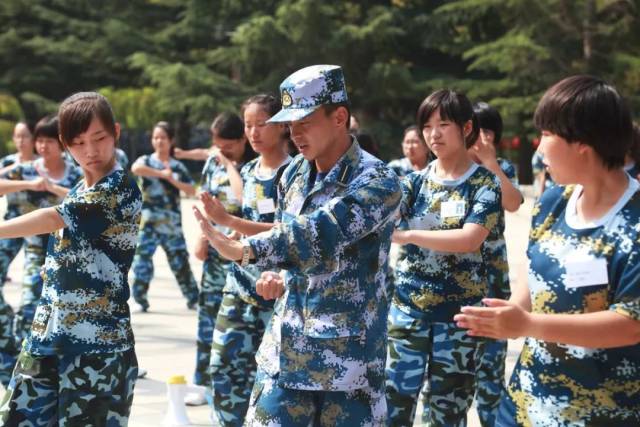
453,208
266,206
585,272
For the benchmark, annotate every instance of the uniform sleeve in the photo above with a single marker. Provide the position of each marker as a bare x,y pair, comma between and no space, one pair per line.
14,174
204,179
184,175
486,206
140,161
84,214
536,163
626,300
510,171
314,240
407,185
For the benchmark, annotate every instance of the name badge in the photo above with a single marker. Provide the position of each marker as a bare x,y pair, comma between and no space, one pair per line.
266,206
453,208
582,272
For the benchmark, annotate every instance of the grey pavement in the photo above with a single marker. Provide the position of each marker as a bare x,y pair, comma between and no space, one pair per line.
166,335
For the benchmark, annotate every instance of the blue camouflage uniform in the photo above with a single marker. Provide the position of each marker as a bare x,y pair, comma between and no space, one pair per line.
431,287
402,167
78,366
491,369
537,166
243,315
633,169
162,225
322,358
9,248
122,159
35,246
215,181
555,384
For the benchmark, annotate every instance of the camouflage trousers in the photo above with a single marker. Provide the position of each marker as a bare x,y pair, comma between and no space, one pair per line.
420,350
490,386
35,252
8,349
238,333
9,248
273,405
72,390
489,383
175,247
214,273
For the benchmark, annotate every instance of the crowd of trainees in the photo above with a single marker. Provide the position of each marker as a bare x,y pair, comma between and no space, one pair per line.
327,217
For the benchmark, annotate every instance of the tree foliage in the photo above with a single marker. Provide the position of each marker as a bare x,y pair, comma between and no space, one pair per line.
186,61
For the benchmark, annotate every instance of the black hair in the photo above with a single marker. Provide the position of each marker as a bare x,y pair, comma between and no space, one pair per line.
227,126
230,126
588,110
634,151
411,128
47,127
489,118
453,106
77,111
166,127
271,105
28,124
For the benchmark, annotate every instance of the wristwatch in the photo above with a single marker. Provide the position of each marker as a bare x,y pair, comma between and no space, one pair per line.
246,254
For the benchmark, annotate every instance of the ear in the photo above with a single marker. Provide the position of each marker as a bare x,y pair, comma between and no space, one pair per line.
117,127
584,149
467,129
341,115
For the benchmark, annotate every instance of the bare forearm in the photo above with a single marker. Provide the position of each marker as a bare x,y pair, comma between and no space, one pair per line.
459,241
59,190
603,329
246,227
195,154
11,186
511,196
41,221
188,189
142,170
235,181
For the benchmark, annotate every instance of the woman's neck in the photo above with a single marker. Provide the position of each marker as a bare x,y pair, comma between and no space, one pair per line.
601,190
272,159
453,167
25,157
418,164
163,157
55,167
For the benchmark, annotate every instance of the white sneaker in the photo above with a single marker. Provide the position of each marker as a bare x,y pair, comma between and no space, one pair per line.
196,396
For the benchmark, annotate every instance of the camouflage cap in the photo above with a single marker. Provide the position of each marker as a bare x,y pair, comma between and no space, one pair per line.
309,88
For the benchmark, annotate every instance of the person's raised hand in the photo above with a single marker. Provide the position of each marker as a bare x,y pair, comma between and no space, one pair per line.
500,319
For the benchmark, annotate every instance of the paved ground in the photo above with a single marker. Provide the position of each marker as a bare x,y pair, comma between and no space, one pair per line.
166,335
